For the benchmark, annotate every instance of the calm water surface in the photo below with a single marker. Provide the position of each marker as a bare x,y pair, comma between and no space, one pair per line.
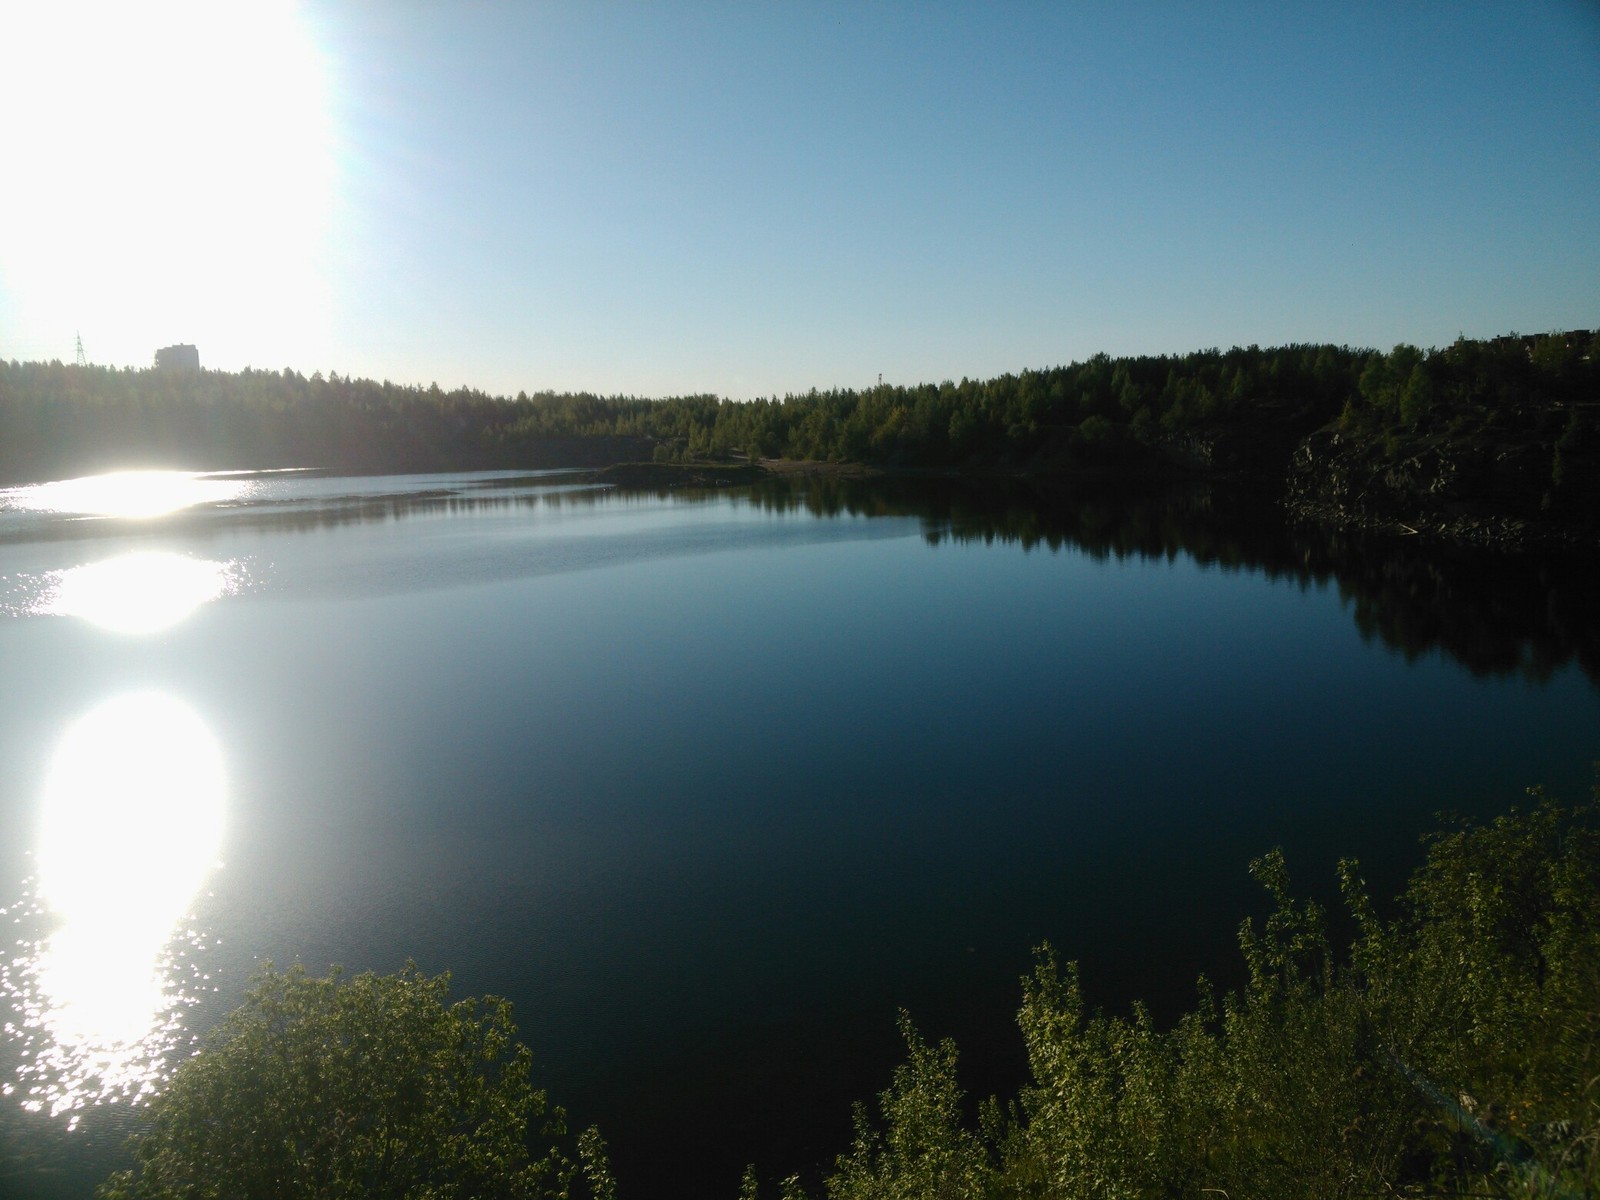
708,785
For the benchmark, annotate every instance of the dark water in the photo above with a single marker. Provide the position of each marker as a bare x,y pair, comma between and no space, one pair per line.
712,785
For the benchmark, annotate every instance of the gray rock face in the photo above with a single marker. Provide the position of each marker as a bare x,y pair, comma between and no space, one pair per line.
1500,495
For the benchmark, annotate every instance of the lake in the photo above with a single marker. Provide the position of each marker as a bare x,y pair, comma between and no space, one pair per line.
709,784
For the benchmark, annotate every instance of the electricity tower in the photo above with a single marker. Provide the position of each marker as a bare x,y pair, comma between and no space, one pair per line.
82,359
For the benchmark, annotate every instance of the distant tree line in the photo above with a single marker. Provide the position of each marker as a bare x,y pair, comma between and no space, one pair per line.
1506,383
1099,409
57,419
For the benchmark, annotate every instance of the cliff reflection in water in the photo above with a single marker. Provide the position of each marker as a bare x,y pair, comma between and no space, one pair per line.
1495,613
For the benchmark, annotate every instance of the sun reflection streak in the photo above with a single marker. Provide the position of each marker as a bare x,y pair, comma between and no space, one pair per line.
130,826
132,495
143,592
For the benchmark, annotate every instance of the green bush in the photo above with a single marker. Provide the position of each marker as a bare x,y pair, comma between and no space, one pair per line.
1454,1049
374,1086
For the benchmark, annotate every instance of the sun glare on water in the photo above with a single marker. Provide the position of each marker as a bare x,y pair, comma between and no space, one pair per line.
131,495
130,826
143,592
139,592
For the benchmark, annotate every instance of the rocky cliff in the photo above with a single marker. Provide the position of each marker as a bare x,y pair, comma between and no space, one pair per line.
1525,492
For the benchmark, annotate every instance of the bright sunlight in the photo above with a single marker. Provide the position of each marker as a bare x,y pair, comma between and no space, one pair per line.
130,827
142,592
173,167
133,495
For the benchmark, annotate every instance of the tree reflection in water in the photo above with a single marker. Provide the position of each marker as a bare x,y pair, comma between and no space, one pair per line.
1495,613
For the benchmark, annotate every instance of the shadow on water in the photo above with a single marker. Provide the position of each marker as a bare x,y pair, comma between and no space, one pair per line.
1497,614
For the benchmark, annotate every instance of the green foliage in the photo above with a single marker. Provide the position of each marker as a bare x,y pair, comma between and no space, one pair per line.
57,419
1416,396
1105,1115
922,1151
1506,922
1505,387
1095,430
374,1086
1386,379
595,1163
1453,1050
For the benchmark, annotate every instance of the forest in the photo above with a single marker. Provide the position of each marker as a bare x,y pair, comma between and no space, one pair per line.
1240,409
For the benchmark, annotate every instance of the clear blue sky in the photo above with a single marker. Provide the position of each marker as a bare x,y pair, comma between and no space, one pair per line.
751,199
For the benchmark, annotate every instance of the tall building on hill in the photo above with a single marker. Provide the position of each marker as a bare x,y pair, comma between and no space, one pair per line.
177,358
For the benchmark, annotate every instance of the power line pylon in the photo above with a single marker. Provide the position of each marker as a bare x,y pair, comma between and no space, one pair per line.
82,359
